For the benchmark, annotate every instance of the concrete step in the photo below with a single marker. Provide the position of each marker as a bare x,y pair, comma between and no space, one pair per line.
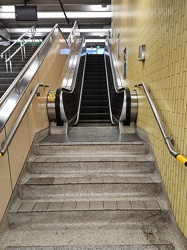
98,164
93,148
89,187
93,238
101,247
69,213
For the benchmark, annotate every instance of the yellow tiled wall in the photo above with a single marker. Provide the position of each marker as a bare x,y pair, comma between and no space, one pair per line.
162,27
35,120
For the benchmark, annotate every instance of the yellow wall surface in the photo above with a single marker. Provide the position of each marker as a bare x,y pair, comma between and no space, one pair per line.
35,120
162,27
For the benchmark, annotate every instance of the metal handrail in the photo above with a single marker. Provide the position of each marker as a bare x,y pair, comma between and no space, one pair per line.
80,99
71,89
23,71
82,51
32,30
167,140
108,91
72,33
113,68
18,121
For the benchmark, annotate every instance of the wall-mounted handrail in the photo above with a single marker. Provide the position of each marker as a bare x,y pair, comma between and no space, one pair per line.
18,121
167,140
23,71
23,42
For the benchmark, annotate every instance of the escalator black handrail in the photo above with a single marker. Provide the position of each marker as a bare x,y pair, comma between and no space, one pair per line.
125,116
80,99
116,86
59,100
108,91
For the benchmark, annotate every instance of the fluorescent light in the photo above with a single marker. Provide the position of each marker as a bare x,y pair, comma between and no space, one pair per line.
7,8
74,15
40,30
57,15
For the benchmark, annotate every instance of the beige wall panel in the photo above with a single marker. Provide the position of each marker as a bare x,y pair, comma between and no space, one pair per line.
18,149
5,182
161,26
51,73
51,69
34,113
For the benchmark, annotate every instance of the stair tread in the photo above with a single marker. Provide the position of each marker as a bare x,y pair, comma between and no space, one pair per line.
92,205
101,247
103,158
93,179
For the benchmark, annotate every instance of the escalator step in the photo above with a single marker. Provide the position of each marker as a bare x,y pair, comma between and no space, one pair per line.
95,97
96,86
94,82
94,109
93,102
94,91
95,116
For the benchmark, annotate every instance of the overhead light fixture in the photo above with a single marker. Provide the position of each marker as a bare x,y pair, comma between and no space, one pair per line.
57,15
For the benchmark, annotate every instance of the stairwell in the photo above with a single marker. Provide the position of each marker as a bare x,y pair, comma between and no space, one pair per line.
6,78
91,189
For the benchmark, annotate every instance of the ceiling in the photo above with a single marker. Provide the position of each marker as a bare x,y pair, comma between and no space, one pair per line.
93,17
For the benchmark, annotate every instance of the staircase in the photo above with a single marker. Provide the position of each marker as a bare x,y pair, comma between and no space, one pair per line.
78,193
95,106
17,65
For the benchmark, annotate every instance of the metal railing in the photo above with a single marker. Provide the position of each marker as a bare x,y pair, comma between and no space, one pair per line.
72,34
108,91
6,55
80,99
18,87
167,140
72,89
71,67
18,121
31,60
116,76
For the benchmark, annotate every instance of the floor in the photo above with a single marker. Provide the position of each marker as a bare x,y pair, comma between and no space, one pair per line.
103,132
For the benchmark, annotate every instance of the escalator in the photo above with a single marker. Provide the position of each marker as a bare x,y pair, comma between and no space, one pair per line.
95,105
94,96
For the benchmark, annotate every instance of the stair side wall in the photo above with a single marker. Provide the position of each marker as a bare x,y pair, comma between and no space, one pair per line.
161,26
36,119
